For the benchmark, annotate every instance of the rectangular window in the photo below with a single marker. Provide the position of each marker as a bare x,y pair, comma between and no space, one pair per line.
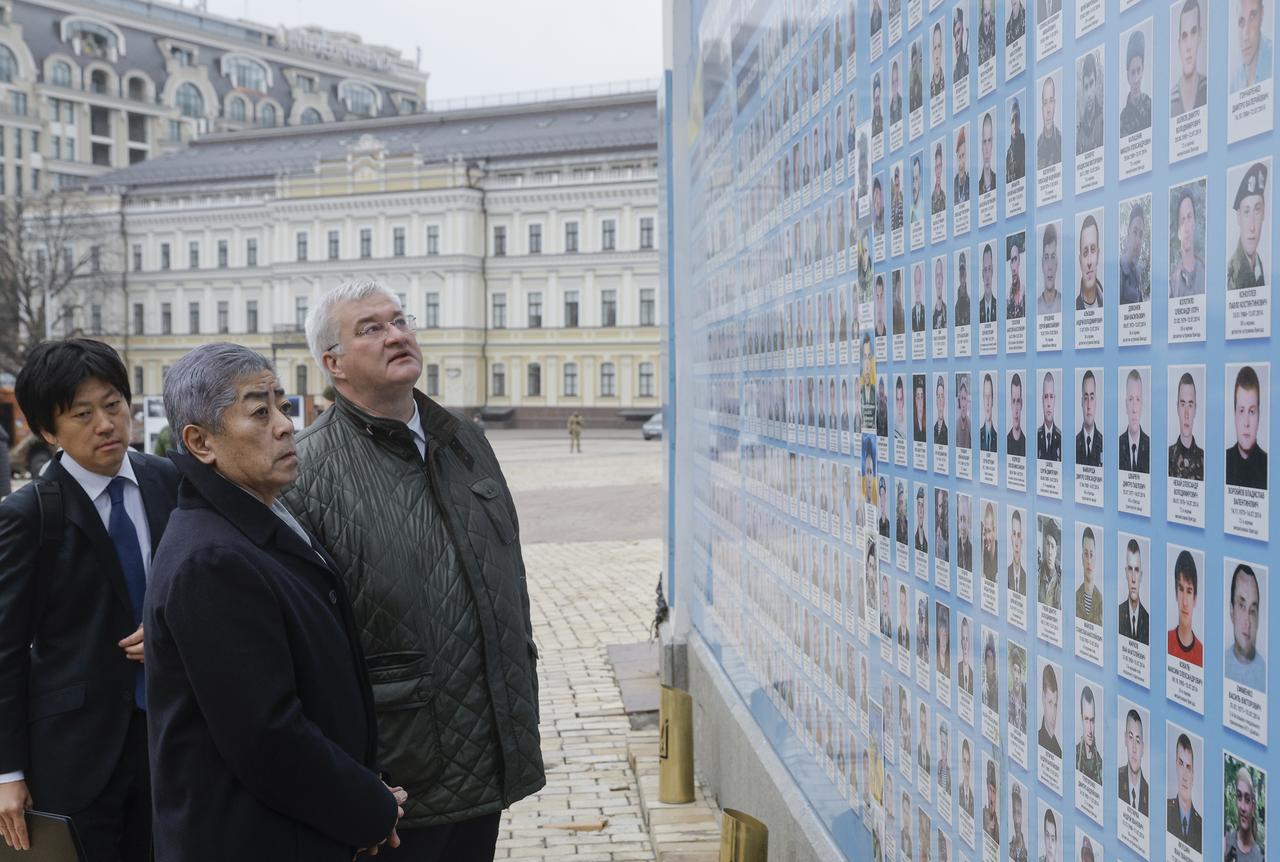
570,236
431,320
397,242
499,387
193,317
164,255
535,310
334,247
499,311
193,254
175,130
139,319
647,310
608,308
608,380
300,312
95,319
571,379
533,384
433,239
571,308
251,316
222,254
366,242
302,246
166,318
646,380
19,103
646,232
224,317
499,241
300,374
433,380
251,252
608,235
138,388
535,239
95,258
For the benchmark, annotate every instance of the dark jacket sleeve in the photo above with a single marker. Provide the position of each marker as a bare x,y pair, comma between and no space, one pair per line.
19,547
225,622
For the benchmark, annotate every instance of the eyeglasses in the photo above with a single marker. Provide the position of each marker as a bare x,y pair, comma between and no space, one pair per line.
378,330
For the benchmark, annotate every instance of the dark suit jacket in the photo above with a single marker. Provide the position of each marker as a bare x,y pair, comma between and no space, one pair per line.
66,689
1094,458
1173,824
1143,791
1144,452
262,729
1143,634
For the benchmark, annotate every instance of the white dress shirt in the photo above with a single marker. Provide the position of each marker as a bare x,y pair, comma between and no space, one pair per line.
95,488
415,428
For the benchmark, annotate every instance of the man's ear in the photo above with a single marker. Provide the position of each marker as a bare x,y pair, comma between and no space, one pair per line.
333,366
199,443
48,437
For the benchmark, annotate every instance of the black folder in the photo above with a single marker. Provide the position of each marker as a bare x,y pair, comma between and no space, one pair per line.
52,837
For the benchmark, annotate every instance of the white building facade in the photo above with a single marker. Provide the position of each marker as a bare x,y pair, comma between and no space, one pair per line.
524,239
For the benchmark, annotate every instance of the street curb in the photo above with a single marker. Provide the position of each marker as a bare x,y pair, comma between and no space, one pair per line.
678,833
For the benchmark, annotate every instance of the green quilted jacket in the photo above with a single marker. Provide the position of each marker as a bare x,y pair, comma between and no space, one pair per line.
430,556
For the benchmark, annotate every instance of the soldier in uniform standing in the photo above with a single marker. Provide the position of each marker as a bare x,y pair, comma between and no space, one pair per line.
1246,268
575,425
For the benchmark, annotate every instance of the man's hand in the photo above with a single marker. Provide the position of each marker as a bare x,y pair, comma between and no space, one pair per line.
392,840
15,799
132,646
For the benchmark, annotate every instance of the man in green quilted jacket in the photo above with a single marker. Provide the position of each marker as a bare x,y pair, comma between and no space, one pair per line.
412,505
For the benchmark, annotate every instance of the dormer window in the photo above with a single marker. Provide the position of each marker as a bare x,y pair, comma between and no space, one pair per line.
408,106
246,72
311,117
8,65
91,38
189,102
306,83
182,56
360,99
237,110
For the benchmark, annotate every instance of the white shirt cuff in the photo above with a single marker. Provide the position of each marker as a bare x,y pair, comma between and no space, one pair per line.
10,777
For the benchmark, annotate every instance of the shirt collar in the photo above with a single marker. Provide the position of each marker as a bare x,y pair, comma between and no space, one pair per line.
94,484
415,425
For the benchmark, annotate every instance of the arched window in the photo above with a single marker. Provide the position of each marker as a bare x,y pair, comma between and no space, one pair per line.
8,65
98,82
137,89
189,101
267,116
534,386
60,74
245,72
360,99
236,110
311,117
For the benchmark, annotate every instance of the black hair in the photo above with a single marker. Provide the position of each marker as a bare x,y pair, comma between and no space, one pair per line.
1184,568
55,371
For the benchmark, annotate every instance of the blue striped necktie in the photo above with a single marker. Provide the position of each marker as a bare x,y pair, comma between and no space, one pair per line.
124,536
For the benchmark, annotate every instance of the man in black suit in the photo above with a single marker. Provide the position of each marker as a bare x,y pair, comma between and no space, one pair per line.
75,548
1135,622
1133,788
262,726
987,433
1182,821
1135,445
1088,438
1015,441
1048,435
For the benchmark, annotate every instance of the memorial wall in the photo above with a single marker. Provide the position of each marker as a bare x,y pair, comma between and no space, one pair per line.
975,314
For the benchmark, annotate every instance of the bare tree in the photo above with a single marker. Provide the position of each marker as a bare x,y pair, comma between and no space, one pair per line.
58,267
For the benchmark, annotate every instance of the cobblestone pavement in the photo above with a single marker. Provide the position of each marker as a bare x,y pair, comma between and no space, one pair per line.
585,596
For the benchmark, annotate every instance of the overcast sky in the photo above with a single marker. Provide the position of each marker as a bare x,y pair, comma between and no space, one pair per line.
482,47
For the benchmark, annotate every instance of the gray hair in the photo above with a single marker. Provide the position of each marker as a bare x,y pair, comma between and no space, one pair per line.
202,385
322,329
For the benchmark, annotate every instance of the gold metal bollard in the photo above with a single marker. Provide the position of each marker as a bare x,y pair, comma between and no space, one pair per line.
743,838
675,746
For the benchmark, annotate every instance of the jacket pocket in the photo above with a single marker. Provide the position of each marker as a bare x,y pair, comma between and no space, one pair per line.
408,735
43,704
489,493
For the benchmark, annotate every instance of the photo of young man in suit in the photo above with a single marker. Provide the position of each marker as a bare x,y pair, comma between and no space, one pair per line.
1135,444
1135,619
1132,785
1182,820
1089,438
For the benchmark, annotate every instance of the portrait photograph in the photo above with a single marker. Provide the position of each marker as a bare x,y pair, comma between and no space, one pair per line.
1188,219
988,181
962,304
1049,138
1250,89
1184,787
1134,243
1015,279
1090,119
1135,100
1089,442
1048,261
1049,684
1133,448
1249,241
1134,784
1247,434
1089,290
960,56
1244,662
1089,704
1189,83
1089,589
961,183
1244,807
1133,587
1185,427
1185,582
